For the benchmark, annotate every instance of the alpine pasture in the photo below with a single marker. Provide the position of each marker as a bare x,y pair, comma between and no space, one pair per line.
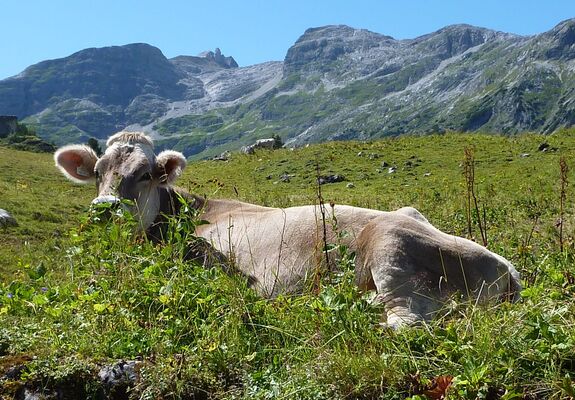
76,294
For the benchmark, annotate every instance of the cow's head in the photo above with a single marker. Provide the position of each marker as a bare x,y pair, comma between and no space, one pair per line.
128,169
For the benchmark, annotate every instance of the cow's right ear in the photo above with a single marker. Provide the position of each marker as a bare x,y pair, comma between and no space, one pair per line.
76,162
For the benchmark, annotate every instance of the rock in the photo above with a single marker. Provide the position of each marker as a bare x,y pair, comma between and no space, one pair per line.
219,58
117,379
360,154
543,147
322,180
225,156
6,219
350,185
524,155
32,395
391,170
384,164
267,144
286,178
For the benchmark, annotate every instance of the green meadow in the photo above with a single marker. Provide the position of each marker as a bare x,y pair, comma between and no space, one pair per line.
75,295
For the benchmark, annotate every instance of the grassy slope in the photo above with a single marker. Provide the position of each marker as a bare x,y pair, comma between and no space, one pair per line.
44,203
98,295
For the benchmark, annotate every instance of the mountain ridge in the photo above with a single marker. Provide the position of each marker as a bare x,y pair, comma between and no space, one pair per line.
335,83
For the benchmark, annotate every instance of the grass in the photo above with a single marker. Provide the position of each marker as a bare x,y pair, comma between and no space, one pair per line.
75,295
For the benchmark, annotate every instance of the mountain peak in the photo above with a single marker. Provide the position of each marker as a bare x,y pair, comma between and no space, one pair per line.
217,57
326,44
341,31
560,41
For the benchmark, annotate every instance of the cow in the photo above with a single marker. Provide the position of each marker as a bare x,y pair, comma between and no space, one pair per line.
413,266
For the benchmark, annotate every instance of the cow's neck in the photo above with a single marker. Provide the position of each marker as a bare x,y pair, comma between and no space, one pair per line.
170,205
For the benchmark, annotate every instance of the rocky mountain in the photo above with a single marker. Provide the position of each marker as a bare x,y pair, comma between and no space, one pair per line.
336,82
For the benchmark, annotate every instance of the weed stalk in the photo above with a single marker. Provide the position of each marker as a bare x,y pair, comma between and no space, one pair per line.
472,200
323,221
564,169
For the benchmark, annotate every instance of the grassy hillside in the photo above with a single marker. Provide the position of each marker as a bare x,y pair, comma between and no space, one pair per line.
75,296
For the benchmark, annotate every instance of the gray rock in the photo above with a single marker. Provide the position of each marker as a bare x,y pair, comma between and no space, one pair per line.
267,144
324,179
6,219
543,147
32,395
286,178
225,156
118,378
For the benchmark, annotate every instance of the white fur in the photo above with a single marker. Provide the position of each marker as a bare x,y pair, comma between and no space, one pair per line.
173,162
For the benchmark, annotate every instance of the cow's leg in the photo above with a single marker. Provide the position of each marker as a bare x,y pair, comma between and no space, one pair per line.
406,287
404,292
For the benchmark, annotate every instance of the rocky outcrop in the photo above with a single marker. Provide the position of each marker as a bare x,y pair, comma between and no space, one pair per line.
220,59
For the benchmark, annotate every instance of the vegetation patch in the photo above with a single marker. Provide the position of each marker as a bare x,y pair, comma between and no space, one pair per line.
190,123
25,138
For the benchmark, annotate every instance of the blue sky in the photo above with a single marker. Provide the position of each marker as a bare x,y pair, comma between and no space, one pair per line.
252,31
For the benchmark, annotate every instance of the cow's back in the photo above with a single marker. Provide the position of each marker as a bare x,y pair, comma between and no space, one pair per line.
280,247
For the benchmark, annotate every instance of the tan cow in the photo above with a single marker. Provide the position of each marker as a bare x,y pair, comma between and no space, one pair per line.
413,266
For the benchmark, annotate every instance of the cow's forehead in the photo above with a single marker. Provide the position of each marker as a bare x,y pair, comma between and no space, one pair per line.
127,158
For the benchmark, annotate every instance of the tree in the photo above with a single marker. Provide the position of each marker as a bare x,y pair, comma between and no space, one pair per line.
93,143
278,143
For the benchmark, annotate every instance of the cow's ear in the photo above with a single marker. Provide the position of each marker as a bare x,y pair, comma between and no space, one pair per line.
169,166
76,162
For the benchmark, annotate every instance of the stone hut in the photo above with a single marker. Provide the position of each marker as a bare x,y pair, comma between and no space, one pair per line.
8,125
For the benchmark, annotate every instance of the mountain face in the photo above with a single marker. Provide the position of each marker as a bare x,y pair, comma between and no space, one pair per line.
336,82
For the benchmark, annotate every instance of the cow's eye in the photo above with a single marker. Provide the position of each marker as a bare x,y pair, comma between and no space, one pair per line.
145,177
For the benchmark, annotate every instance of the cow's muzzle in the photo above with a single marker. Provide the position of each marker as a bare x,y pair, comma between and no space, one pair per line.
106,200
103,207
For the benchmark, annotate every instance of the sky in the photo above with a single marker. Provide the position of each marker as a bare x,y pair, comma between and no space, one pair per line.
252,31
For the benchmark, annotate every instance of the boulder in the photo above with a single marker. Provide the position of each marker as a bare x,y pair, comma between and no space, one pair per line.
6,219
267,144
322,180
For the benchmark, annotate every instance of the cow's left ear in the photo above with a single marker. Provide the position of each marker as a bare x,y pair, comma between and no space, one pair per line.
169,166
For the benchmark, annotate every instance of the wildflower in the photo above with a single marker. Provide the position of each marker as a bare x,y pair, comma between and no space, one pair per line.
44,289
9,295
